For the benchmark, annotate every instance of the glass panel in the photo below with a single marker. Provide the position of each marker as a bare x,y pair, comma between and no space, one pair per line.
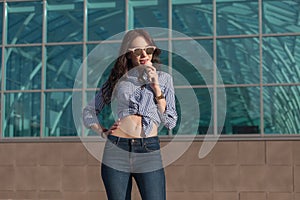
63,63
1,21
152,13
193,62
238,60
24,22
193,18
22,115
105,19
281,16
100,61
237,18
243,110
205,99
23,68
58,115
194,111
64,21
281,59
282,115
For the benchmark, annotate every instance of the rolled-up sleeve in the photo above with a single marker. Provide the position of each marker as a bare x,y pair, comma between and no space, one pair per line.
169,117
92,110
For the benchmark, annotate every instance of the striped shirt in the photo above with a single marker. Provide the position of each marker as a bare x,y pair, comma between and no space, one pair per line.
134,96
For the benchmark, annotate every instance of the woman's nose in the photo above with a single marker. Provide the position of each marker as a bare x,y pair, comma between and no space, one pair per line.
144,54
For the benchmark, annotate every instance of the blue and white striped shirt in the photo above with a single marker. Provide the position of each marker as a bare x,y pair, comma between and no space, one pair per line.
135,97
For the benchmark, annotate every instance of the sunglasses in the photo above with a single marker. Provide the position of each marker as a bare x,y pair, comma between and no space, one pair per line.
139,51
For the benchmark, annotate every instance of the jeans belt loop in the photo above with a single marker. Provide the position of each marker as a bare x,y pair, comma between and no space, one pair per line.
118,140
142,142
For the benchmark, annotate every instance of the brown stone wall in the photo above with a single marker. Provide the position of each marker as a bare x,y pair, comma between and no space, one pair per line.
234,170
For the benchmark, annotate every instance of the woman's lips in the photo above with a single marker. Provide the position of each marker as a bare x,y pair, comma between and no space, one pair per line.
143,62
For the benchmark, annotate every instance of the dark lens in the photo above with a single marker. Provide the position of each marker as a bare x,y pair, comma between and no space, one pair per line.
138,52
150,50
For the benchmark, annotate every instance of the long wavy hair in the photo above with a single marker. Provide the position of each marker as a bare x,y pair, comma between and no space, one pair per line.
123,64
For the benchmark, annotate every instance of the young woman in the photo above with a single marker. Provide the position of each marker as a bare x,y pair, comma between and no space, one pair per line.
145,98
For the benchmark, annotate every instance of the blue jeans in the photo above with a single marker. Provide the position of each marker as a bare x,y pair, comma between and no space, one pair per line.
137,158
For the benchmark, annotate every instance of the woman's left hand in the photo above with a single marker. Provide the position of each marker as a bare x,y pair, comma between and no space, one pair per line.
152,76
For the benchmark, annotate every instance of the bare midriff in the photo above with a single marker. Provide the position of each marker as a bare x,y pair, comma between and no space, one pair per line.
131,127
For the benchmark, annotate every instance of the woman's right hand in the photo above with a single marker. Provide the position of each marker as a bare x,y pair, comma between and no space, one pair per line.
100,130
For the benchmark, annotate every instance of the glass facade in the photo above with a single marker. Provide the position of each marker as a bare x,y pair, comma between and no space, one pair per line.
255,45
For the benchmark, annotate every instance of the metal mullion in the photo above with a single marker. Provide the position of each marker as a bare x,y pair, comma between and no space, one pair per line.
43,84
170,46
24,45
261,70
63,43
215,105
280,34
126,14
4,32
84,60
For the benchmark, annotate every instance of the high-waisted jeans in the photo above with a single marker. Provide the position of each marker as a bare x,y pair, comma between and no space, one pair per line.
137,158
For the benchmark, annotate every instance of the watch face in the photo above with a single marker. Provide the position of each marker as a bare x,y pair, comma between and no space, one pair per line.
160,97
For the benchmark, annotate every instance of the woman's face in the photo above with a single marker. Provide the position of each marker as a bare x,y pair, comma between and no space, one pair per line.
138,48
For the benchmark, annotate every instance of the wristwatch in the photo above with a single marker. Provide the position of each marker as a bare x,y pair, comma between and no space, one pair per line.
160,97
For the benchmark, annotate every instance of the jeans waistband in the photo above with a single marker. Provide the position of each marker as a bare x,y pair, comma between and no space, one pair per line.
116,140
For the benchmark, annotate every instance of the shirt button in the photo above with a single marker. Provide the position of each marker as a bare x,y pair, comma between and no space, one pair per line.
133,140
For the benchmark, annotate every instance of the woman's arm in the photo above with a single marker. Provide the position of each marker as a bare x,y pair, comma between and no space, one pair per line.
91,111
90,119
169,116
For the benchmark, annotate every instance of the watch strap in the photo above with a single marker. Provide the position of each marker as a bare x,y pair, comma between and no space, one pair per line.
162,96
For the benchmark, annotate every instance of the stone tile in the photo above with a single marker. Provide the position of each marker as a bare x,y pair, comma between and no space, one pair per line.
92,161
7,195
73,178
279,152
26,178
96,195
74,195
280,196
50,178
175,176
7,178
199,178
252,196
296,196
50,154
176,195
296,152
7,154
279,178
226,196
199,195
252,178
252,153
27,154
189,195
94,151
175,152
135,194
43,195
297,178
74,154
94,181
193,155
226,178
26,195
225,153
